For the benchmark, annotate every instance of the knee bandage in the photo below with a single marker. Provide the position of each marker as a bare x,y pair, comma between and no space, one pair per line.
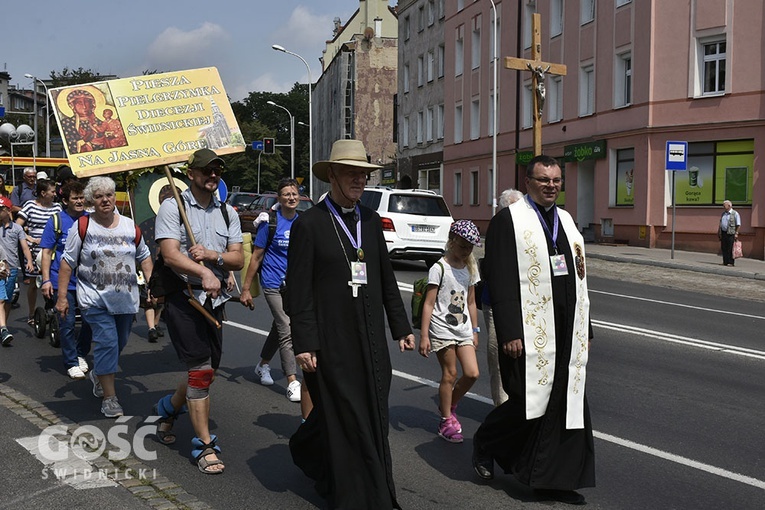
200,379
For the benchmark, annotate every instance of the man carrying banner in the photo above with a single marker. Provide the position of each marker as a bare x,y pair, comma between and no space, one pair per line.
535,269
201,268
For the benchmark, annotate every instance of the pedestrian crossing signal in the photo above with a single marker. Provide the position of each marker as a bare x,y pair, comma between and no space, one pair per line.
268,146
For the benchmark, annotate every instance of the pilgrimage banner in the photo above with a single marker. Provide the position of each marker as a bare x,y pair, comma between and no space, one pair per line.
117,125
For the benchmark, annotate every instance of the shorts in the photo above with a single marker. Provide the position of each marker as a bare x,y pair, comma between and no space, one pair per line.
436,344
195,340
8,285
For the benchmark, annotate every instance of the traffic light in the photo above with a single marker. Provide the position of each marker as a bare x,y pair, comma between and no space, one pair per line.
268,146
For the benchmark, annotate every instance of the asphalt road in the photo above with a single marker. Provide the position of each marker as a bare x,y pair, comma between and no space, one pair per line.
675,387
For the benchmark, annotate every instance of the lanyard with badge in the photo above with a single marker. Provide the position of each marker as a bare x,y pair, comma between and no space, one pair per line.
558,261
359,267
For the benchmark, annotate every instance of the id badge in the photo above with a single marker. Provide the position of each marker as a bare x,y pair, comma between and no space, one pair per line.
559,265
359,273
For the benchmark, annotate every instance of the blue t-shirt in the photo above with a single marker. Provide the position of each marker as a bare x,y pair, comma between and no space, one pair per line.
51,240
273,269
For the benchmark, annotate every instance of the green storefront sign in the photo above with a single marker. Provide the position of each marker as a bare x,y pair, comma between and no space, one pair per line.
523,157
585,151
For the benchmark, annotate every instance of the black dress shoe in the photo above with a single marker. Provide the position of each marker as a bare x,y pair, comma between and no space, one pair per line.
483,464
570,497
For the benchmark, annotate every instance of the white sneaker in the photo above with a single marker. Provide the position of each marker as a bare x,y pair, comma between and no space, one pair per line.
83,365
264,372
75,373
293,391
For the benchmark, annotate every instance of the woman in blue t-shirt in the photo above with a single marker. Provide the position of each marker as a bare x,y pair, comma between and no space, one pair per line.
269,257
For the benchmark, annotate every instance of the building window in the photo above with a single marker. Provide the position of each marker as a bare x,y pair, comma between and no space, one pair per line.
714,56
406,78
529,9
405,133
554,103
419,127
528,107
420,71
421,19
431,12
459,50
587,91
474,188
625,174
460,5
623,80
440,122
431,65
556,17
407,28
490,186
458,124
475,119
717,171
475,43
441,59
588,11
619,3
441,12
429,124
457,188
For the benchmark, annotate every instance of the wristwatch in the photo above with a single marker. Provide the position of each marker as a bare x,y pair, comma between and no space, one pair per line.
220,260
476,330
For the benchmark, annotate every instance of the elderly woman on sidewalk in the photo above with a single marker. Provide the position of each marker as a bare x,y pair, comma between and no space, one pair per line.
105,248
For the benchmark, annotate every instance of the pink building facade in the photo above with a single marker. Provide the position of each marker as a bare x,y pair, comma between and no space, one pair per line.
639,74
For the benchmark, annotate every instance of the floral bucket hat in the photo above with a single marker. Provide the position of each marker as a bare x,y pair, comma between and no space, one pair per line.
467,230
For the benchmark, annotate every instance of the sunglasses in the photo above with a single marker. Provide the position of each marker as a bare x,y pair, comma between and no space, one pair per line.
208,170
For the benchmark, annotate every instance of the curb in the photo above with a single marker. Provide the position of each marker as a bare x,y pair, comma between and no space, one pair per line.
160,492
676,265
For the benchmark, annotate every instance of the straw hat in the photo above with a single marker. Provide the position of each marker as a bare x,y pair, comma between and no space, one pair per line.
344,152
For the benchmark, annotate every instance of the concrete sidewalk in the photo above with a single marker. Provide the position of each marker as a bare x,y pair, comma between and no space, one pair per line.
690,261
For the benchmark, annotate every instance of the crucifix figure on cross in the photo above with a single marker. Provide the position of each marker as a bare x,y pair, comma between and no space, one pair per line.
538,71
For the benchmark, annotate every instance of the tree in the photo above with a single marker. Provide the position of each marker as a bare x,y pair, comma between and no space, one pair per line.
255,107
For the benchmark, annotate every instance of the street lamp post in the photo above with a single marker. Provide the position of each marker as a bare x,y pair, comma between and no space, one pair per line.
292,137
310,117
47,113
494,119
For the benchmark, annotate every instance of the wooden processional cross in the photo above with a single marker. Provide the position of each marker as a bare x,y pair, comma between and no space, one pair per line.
538,71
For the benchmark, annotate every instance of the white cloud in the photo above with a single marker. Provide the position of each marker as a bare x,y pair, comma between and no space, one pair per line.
304,30
177,49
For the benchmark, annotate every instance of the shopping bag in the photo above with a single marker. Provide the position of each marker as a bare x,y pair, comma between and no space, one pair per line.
737,250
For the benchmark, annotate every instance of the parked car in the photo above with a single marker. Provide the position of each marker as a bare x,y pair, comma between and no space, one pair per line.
415,222
263,203
240,199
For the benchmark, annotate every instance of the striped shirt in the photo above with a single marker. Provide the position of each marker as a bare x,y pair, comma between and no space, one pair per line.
35,217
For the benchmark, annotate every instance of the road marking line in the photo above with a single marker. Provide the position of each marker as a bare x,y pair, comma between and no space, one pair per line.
600,435
693,342
736,477
678,304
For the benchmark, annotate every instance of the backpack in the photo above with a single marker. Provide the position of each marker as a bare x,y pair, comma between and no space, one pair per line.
82,229
420,287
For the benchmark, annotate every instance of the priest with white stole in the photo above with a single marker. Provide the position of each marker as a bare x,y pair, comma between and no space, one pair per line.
535,269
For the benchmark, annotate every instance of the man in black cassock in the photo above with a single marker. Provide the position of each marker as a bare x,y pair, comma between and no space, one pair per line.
340,287
535,269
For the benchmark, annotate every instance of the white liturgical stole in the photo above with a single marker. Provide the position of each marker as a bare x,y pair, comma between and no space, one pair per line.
534,270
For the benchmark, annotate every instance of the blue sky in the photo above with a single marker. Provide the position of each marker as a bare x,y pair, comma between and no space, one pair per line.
126,38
